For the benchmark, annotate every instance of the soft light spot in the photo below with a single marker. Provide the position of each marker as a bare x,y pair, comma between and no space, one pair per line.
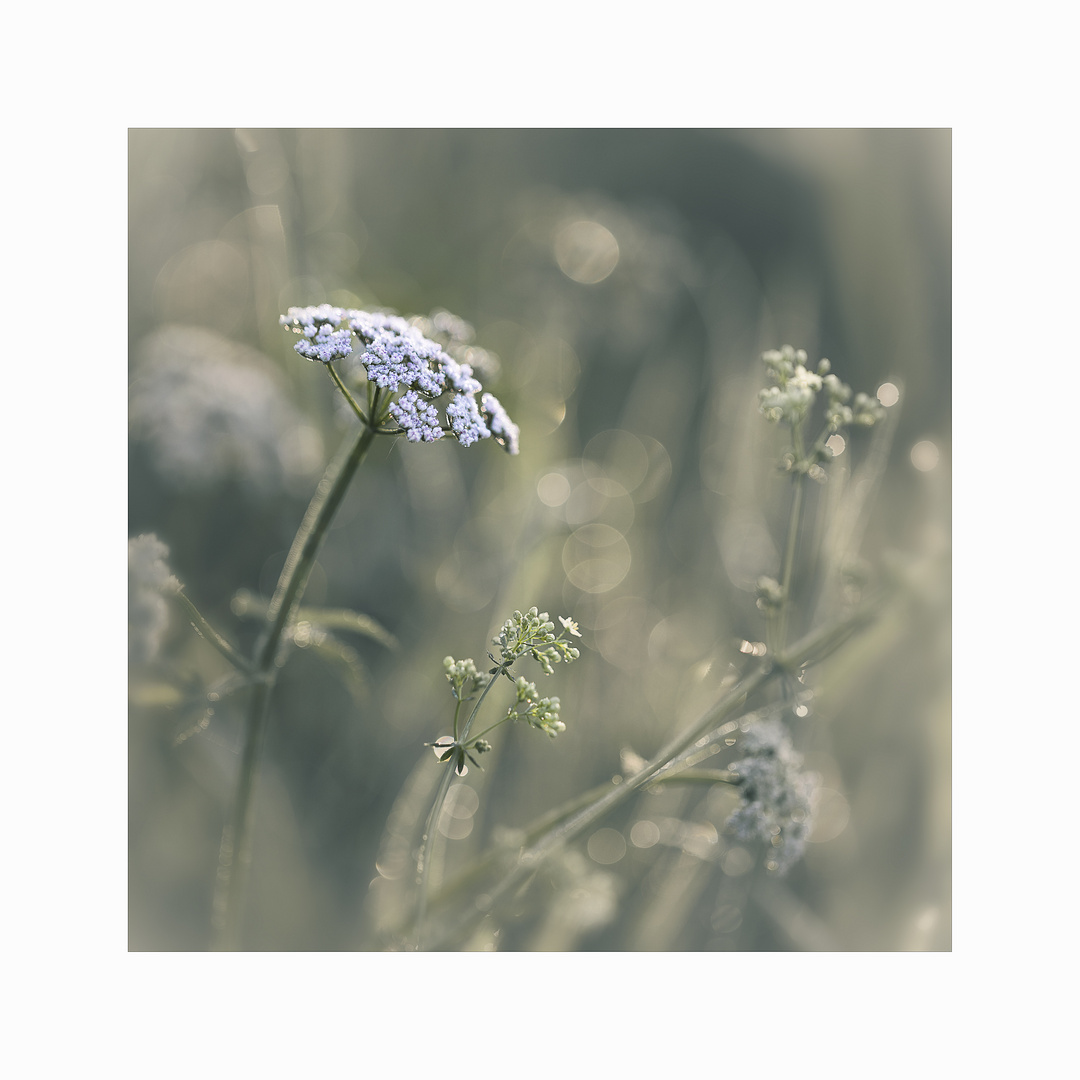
553,489
596,558
888,394
924,455
644,834
831,816
727,918
836,444
455,828
754,648
393,865
736,862
616,455
586,252
461,801
606,846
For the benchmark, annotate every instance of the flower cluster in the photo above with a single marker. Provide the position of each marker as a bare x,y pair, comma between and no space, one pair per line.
396,357
777,795
864,411
149,581
796,388
531,634
465,681
540,712
534,633
790,399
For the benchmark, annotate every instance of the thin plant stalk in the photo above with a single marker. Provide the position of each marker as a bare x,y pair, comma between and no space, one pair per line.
427,841
799,483
207,632
234,857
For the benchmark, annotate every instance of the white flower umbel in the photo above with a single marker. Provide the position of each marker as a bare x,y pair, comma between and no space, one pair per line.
436,394
789,401
408,378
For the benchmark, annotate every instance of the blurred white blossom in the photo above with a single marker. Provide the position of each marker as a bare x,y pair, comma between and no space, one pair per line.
209,410
777,795
149,581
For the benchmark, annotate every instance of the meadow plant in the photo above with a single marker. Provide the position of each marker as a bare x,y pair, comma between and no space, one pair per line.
529,635
413,387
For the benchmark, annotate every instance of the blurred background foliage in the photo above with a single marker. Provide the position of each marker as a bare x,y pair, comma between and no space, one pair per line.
622,284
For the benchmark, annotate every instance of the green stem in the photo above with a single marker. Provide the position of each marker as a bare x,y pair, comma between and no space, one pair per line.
480,700
305,546
348,397
427,841
700,776
205,630
234,858
498,723
789,562
427,844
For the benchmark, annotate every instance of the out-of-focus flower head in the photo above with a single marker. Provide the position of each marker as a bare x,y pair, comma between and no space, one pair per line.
790,399
777,795
149,581
209,410
796,388
396,355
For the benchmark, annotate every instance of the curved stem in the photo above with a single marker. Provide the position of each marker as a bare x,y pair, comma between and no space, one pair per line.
205,630
427,843
234,857
348,397
305,546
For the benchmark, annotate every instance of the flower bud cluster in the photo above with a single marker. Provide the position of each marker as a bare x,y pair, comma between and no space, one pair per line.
864,411
540,712
534,633
465,681
776,795
397,357
796,389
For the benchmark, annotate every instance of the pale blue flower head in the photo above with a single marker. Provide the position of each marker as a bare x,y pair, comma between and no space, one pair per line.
502,427
465,419
416,417
397,357
777,795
